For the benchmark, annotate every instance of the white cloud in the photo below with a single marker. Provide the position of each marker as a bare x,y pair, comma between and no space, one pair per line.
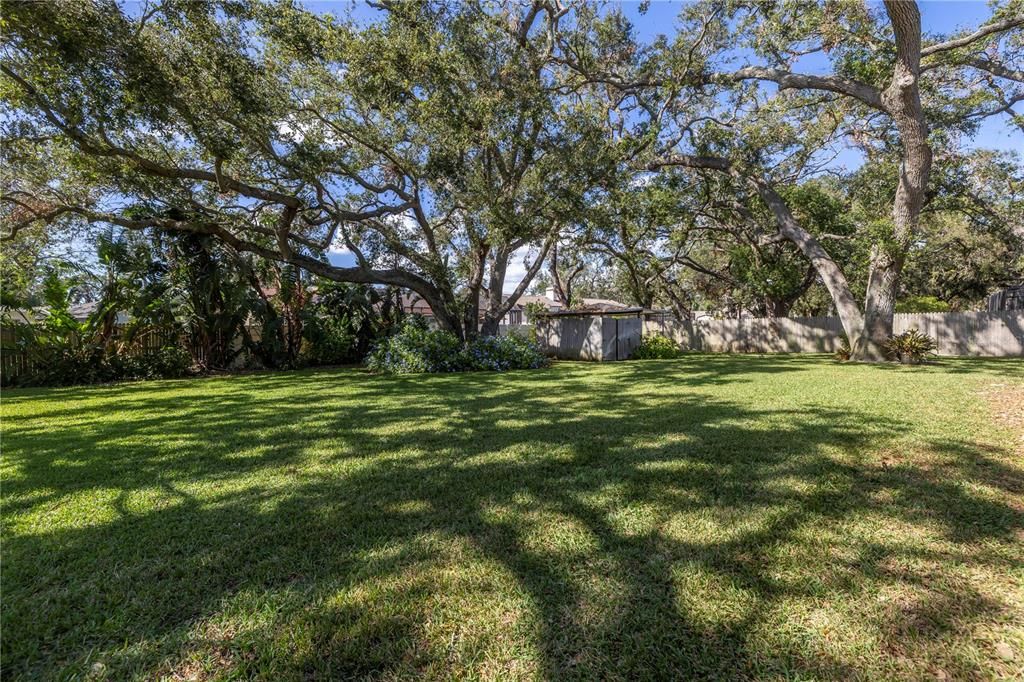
295,130
338,245
517,268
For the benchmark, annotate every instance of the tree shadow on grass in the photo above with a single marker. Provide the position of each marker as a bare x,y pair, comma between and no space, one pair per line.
996,368
593,534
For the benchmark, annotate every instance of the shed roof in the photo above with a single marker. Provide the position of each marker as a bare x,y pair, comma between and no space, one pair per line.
597,310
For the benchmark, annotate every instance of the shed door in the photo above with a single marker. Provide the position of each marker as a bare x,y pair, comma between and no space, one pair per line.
628,332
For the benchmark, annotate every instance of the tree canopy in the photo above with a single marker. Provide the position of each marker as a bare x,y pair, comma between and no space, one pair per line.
439,142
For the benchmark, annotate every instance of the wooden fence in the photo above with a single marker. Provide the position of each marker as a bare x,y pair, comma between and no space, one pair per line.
523,330
12,360
15,361
983,334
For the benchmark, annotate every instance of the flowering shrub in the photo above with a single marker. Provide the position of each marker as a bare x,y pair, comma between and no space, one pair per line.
501,353
415,348
656,347
418,349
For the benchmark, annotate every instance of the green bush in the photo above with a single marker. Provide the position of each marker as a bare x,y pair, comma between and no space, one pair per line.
416,348
345,321
500,353
911,347
64,366
169,362
96,365
922,304
656,347
329,341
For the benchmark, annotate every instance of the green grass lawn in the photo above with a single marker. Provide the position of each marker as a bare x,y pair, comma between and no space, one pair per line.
711,517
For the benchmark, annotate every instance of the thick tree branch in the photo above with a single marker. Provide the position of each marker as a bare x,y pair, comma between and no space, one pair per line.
531,272
981,32
997,69
109,149
867,94
32,216
830,272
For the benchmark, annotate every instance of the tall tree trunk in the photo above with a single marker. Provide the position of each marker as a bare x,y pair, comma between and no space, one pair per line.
447,310
496,282
471,313
879,306
776,307
902,99
490,326
640,292
682,311
448,318
783,306
498,305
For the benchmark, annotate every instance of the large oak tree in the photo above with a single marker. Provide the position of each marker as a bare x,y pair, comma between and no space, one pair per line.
887,89
432,144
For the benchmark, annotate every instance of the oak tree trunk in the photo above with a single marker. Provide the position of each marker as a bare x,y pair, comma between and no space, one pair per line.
496,283
902,99
828,270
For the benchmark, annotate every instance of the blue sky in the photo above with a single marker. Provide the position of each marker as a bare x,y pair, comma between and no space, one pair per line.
936,16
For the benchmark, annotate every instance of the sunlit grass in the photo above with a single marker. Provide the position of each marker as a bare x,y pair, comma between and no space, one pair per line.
726,517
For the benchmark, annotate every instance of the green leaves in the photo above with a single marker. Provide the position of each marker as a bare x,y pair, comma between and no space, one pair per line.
438,137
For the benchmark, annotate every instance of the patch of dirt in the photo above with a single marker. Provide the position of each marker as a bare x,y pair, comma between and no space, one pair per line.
1006,401
209,657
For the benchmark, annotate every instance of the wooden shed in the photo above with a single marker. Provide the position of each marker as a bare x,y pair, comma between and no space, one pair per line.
601,333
